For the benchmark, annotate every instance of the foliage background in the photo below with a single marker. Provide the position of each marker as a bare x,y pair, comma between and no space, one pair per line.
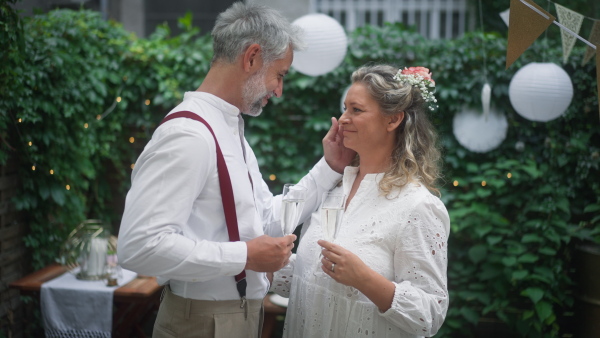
87,95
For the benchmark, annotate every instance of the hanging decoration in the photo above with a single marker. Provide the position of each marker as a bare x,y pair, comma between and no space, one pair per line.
524,28
594,39
540,91
505,16
571,20
479,133
486,95
529,20
326,45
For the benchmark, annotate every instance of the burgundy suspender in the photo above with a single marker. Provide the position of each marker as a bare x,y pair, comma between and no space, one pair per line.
226,195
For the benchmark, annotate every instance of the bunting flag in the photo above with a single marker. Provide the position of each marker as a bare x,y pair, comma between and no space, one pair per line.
594,39
505,15
525,27
572,20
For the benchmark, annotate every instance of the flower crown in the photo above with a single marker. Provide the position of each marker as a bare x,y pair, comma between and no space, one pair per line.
419,77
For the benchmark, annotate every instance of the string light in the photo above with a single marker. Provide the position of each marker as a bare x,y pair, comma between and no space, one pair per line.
20,120
455,183
147,102
118,99
272,177
85,125
509,175
33,167
51,172
98,117
483,183
30,143
68,187
131,139
132,166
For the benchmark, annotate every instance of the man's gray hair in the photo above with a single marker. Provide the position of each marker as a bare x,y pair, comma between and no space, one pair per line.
242,25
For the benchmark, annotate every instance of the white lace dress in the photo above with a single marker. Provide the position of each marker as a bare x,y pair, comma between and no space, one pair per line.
404,239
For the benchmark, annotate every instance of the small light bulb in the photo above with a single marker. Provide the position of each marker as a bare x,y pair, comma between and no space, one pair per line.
51,172
272,177
33,167
20,120
483,183
30,143
147,102
455,183
68,187
131,139
132,166
85,125
509,175
119,99
98,117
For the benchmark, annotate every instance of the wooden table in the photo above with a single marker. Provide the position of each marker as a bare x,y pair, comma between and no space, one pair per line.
134,302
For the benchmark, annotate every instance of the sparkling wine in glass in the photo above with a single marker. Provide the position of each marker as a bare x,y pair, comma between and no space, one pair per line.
332,209
292,203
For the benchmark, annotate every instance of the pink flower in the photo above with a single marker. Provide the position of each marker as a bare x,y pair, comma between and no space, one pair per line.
422,71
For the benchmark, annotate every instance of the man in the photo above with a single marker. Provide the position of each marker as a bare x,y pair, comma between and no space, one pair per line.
174,226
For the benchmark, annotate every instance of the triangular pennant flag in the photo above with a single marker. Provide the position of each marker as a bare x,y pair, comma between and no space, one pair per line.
527,22
505,16
572,20
595,39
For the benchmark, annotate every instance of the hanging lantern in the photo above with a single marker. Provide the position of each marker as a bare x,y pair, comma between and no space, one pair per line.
326,45
477,132
540,91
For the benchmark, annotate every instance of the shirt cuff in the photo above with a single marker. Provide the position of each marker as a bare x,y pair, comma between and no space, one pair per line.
236,254
324,175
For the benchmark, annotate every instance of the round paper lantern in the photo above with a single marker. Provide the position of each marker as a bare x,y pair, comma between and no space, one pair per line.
540,91
479,133
326,45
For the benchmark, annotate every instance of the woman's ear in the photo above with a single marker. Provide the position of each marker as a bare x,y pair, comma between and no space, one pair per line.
395,120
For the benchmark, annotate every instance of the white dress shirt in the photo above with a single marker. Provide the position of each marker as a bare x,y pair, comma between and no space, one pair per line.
404,239
174,227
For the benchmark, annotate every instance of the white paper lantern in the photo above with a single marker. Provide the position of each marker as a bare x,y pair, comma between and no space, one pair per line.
541,91
477,132
326,45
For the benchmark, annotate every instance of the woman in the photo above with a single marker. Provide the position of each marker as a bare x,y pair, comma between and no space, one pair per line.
387,266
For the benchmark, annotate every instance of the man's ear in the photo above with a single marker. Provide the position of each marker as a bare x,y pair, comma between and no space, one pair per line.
395,120
252,58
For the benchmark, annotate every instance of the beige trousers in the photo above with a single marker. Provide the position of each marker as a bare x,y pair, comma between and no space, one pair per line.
182,317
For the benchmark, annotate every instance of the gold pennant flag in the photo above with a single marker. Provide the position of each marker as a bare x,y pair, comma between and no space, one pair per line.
572,20
594,39
527,22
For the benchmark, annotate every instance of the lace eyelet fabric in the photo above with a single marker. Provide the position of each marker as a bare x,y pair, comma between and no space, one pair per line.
403,239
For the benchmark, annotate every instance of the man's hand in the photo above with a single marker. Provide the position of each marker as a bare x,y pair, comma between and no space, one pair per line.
336,155
269,254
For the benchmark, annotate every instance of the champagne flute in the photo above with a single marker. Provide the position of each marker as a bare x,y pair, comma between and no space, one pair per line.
292,204
332,208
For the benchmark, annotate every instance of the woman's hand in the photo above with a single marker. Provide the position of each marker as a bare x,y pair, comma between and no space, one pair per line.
349,269
336,155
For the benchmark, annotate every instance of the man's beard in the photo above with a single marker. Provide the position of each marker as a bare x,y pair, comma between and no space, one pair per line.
253,93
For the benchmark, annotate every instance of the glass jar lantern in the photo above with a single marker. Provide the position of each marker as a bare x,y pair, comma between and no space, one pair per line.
86,251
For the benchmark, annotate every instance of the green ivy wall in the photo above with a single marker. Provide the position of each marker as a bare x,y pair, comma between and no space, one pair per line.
79,98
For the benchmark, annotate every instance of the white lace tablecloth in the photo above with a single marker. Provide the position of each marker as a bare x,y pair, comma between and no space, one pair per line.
79,308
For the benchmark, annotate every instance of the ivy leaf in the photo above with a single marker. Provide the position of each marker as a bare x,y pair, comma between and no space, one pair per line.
58,195
528,258
478,253
543,309
535,294
520,274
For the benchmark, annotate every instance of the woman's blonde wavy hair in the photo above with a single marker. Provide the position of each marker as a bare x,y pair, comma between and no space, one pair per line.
416,156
